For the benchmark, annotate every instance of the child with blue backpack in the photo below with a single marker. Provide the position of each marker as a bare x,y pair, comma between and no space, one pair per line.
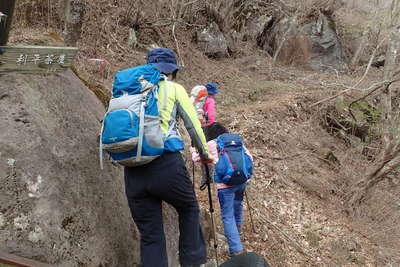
233,168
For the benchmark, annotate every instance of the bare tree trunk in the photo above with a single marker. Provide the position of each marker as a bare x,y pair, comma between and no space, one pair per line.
392,53
360,190
390,65
6,14
213,12
292,25
389,158
364,38
73,20
61,9
360,49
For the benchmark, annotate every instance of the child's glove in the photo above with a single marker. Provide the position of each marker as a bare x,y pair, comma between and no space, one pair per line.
195,154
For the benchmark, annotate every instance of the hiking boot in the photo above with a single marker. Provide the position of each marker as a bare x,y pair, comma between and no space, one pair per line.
233,254
201,265
209,263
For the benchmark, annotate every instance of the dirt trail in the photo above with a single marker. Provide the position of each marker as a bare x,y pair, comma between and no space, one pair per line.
299,220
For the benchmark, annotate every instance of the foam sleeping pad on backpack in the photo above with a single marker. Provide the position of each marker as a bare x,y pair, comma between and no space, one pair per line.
250,259
198,96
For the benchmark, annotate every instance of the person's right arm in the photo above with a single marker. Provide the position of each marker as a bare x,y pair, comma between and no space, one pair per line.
192,124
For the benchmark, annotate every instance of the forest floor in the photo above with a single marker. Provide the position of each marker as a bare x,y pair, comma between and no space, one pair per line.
299,219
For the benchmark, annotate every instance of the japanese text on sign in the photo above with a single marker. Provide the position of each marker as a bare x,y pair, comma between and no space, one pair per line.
37,58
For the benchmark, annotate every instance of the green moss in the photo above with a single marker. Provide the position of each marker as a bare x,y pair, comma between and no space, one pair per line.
366,112
259,89
40,42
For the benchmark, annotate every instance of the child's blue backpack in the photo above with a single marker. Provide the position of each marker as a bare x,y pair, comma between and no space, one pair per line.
131,131
234,165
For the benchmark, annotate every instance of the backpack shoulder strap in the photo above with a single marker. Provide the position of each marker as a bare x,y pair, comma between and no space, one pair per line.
220,143
165,95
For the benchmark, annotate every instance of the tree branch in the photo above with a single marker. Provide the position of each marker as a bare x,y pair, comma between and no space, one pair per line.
384,85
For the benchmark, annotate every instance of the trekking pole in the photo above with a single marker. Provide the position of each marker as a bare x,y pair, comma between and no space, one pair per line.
251,215
193,173
207,184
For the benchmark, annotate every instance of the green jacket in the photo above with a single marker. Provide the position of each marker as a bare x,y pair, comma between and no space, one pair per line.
174,102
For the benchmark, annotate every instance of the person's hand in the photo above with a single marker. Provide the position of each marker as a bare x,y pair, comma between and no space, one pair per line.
195,154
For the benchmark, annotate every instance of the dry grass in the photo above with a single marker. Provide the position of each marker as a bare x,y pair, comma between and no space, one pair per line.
41,13
296,51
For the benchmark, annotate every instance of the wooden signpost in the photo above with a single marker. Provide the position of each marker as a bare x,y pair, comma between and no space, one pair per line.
29,59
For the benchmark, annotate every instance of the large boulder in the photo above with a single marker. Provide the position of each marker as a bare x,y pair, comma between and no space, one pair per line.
326,51
56,204
256,27
212,41
314,44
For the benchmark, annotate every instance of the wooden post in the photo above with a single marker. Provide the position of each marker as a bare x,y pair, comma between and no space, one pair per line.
17,261
6,14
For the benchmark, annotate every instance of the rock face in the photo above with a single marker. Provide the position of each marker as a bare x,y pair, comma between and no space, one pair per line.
314,44
255,27
56,205
212,41
326,50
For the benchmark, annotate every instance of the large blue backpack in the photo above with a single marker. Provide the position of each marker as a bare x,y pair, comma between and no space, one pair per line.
234,165
131,131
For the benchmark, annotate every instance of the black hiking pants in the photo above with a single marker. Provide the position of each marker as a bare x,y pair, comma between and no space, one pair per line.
164,179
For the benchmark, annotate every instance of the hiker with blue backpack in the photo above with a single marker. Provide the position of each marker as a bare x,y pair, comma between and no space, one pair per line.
140,131
233,168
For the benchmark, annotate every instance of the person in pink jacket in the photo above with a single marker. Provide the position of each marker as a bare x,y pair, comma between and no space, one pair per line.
209,104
